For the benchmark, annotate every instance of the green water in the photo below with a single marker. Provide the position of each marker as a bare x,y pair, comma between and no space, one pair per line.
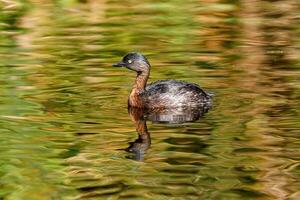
63,109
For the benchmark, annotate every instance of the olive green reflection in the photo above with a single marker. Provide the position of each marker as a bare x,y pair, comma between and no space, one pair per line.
63,108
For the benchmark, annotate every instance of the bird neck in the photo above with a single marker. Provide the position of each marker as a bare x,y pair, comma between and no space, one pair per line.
139,85
141,80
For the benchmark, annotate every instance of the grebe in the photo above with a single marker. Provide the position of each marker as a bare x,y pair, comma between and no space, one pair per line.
161,94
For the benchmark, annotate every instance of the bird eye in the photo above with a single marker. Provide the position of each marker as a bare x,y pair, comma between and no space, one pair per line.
129,61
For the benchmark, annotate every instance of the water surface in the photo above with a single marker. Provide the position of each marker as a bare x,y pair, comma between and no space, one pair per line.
63,114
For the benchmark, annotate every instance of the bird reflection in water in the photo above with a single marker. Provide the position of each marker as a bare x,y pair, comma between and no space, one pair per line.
139,117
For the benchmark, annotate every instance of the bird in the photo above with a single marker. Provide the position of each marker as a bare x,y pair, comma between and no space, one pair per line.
162,94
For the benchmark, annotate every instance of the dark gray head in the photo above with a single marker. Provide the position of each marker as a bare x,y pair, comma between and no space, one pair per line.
134,61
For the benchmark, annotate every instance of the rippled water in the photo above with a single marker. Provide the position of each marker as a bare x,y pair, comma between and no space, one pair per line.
63,114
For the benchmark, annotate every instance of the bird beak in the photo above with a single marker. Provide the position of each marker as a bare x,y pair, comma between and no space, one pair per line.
119,64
